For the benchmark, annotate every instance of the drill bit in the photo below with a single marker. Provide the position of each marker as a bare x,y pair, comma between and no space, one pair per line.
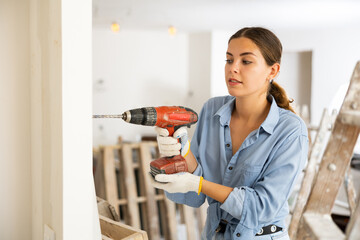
110,116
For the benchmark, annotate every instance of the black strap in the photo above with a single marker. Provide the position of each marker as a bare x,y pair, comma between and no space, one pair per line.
269,230
263,231
222,226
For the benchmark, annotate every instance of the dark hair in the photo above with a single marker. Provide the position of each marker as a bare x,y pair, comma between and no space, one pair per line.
271,49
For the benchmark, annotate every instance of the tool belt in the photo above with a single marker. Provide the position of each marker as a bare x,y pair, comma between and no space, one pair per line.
263,231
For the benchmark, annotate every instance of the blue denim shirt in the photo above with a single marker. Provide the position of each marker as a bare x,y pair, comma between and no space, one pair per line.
262,171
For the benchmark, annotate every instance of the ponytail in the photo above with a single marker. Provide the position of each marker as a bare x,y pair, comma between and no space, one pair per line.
280,96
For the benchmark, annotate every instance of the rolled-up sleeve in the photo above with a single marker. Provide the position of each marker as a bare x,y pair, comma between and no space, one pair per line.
261,203
234,202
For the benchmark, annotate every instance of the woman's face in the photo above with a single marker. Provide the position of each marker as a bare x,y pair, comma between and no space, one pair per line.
246,72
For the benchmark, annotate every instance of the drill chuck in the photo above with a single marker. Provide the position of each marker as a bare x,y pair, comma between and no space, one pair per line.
146,116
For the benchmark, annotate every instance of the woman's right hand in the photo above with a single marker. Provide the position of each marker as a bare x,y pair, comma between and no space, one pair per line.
173,145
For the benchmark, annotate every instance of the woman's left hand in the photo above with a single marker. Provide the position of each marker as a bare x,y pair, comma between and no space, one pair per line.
177,183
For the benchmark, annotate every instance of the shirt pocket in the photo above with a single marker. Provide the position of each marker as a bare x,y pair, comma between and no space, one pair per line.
248,174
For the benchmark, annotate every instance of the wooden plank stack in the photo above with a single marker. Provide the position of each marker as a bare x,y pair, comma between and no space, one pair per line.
122,178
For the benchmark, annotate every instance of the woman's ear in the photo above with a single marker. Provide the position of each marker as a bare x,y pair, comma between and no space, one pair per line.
274,71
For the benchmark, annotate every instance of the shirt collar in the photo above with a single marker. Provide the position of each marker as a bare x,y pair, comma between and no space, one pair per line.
225,112
272,118
268,125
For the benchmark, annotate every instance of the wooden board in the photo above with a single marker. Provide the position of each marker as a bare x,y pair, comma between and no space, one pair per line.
152,209
106,209
350,191
116,230
188,219
130,183
99,173
201,214
321,227
110,179
103,237
353,228
170,217
350,109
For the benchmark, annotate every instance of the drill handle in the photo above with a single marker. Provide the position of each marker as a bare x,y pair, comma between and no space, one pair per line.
171,130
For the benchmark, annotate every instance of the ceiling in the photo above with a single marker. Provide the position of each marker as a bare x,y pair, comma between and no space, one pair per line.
208,15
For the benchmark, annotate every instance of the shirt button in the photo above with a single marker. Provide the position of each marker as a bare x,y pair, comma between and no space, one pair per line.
228,145
230,168
238,234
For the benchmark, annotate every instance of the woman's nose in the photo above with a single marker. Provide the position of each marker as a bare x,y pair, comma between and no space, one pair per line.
235,68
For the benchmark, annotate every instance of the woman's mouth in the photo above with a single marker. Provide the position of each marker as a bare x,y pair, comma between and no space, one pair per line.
233,81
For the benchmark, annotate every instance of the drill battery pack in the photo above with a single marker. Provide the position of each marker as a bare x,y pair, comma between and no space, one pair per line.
168,165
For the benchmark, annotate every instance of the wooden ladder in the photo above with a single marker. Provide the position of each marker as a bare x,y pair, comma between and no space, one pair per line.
315,221
316,150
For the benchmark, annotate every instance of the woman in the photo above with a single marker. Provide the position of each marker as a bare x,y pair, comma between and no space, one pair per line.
247,150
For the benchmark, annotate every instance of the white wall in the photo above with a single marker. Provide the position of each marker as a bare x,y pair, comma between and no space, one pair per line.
80,215
45,140
335,52
199,64
133,69
15,175
219,43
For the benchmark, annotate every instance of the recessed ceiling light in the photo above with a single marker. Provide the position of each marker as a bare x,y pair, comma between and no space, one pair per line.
115,27
172,30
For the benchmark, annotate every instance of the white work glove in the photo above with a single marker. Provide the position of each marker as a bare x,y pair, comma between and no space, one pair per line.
170,145
182,182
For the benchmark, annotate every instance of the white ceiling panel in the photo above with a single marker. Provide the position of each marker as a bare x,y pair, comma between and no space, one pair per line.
207,15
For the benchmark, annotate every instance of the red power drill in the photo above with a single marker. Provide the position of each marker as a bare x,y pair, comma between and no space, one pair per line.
171,118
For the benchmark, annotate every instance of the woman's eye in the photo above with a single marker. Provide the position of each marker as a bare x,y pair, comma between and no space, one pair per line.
228,61
246,62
